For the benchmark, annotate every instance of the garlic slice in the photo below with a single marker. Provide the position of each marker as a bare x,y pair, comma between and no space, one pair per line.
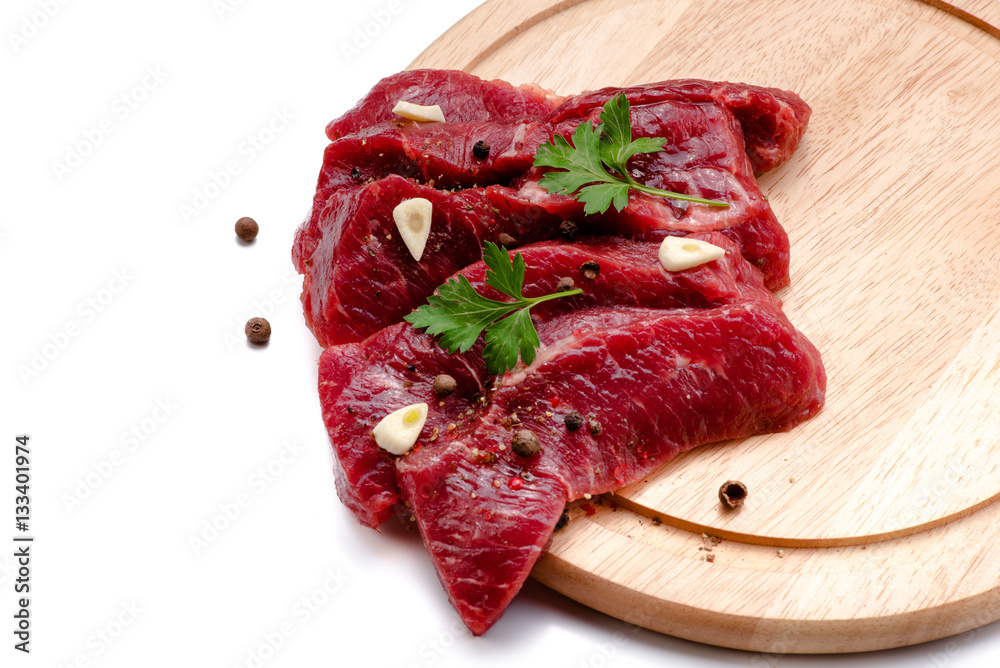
397,432
413,220
679,253
418,112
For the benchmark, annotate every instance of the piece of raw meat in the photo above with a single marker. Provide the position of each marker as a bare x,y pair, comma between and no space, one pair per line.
772,120
397,365
652,384
657,381
657,362
705,156
359,275
461,96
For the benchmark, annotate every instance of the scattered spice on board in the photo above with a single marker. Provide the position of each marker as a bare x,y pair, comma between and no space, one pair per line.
732,494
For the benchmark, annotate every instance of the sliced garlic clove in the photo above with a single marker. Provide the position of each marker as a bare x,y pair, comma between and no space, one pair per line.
397,432
413,220
679,253
418,112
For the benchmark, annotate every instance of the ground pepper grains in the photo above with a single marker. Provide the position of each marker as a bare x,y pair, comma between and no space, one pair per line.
568,229
247,228
590,269
258,330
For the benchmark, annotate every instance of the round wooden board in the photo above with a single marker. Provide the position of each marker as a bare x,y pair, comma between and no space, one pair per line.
870,526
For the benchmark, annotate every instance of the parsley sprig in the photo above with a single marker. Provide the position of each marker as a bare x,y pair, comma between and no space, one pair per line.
593,153
459,314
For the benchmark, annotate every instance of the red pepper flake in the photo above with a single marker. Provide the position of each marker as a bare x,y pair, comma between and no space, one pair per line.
515,483
554,401
589,509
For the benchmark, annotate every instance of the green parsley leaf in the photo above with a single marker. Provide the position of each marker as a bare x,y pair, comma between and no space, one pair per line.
502,274
593,153
581,160
616,142
459,314
508,337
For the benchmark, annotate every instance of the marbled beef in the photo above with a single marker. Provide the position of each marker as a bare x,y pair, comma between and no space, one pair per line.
706,154
717,359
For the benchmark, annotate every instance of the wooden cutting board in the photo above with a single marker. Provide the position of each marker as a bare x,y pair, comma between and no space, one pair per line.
875,524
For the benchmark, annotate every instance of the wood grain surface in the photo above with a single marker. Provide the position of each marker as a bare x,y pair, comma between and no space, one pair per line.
883,506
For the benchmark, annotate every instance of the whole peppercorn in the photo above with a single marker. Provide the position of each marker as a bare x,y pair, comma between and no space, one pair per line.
258,330
563,521
732,494
595,428
481,150
573,421
590,269
525,443
247,228
568,229
507,241
444,385
565,284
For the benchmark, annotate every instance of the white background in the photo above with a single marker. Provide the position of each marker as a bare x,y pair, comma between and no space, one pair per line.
151,418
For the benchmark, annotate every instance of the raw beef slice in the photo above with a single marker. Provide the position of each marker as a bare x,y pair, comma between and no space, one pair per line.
657,383
397,365
743,365
658,362
461,96
704,156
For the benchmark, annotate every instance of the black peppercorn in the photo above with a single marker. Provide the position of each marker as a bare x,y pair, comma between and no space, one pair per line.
258,330
481,150
507,241
444,385
732,494
247,228
568,229
525,443
595,428
573,421
565,284
356,174
590,269
563,521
